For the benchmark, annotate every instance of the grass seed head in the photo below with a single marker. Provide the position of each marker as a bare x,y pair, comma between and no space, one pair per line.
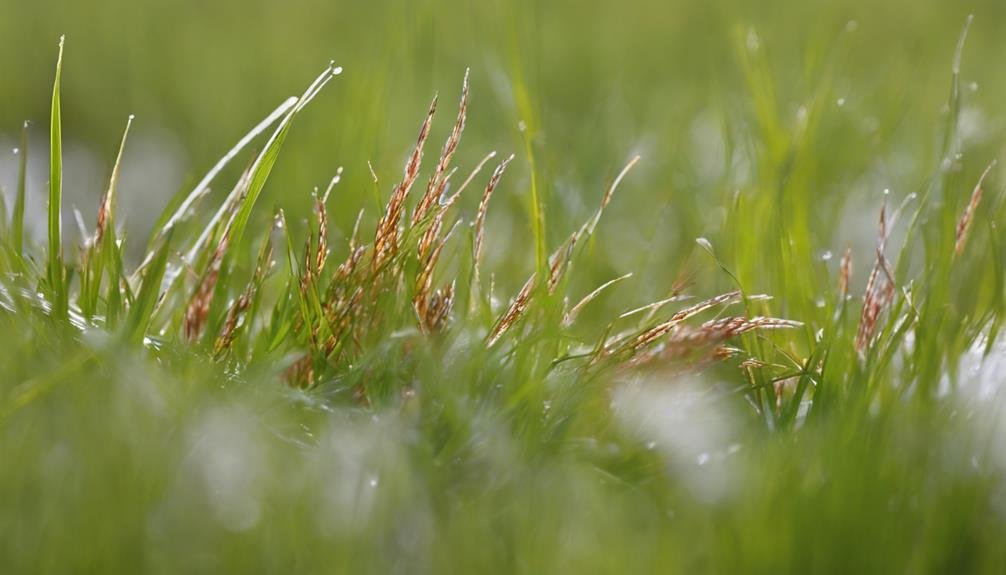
964,223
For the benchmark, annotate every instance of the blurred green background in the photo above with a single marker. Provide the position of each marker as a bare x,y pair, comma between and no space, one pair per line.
592,82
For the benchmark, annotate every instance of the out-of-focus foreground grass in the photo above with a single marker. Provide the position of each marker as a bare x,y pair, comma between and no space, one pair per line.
341,423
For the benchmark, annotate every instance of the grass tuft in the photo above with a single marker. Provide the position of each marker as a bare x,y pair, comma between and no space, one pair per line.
298,396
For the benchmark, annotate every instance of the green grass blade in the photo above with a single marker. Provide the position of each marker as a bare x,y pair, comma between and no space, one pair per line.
267,158
178,210
113,180
143,308
56,272
184,206
17,225
101,251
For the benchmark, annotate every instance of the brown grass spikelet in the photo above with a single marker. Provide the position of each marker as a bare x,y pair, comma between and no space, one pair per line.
557,262
964,223
234,315
686,341
199,305
880,288
321,214
648,336
733,326
513,312
480,217
438,180
240,306
439,308
387,235
430,250
844,273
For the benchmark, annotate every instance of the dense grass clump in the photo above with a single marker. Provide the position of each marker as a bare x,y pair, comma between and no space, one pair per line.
242,401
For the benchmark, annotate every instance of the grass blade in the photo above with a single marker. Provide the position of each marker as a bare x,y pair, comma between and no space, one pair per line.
17,225
168,222
150,290
276,114
56,275
267,158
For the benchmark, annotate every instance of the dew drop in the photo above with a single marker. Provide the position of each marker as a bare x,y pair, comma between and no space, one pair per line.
840,102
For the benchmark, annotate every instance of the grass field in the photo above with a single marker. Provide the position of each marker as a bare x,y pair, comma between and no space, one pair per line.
506,287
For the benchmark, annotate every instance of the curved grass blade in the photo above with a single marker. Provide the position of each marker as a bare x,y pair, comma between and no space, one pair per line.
267,158
179,213
269,120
